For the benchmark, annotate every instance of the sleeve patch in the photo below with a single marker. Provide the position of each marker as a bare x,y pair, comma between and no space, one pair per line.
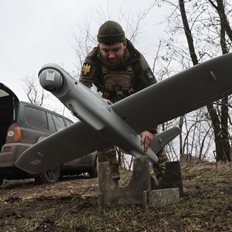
149,74
86,69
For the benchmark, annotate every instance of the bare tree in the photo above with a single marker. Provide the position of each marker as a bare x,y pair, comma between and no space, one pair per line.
34,92
207,30
219,123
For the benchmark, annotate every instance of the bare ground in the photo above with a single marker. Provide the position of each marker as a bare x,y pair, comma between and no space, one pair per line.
72,205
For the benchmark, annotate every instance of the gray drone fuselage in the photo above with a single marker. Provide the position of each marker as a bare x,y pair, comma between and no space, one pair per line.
91,109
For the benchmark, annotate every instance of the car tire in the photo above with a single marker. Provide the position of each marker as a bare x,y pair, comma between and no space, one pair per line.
49,176
93,172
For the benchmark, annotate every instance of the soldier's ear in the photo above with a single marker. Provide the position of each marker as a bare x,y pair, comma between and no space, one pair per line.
125,43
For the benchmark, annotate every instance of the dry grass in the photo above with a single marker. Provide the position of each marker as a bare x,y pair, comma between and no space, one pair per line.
72,205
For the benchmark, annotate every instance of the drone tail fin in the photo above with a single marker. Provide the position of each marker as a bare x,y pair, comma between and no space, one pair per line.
163,138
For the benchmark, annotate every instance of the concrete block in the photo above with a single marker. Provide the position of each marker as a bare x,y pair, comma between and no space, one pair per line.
161,197
140,190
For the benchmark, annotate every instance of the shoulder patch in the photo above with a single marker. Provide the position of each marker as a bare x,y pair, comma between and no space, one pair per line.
149,74
86,68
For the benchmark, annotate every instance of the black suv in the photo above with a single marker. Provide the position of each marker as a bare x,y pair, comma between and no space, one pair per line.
23,124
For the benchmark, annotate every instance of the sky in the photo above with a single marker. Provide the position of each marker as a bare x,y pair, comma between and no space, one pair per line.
36,32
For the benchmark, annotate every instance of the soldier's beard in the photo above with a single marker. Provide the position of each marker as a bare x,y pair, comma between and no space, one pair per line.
113,61
114,64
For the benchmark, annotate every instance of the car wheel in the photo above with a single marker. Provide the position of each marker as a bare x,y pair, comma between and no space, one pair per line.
49,176
1,181
93,172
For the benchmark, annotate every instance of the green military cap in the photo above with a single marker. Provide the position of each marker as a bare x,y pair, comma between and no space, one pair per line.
110,32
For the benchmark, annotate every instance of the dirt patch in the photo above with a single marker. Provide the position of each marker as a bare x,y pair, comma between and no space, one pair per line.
72,205
25,204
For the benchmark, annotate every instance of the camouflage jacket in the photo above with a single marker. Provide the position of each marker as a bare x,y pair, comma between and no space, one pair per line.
92,72
95,69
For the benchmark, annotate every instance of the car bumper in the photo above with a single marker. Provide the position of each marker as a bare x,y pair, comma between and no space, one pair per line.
8,158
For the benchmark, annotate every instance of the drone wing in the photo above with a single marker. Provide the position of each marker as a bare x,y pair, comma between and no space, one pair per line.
178,95
70,143
152,106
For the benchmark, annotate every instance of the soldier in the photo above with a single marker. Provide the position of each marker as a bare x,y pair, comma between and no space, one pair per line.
118,70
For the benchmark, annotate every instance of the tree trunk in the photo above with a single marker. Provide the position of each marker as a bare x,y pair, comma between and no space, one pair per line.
220,137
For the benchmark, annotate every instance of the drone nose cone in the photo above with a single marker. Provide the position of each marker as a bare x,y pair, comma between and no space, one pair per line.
51,79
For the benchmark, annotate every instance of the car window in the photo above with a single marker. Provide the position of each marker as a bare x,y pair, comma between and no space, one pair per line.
59,122
51,123
36,117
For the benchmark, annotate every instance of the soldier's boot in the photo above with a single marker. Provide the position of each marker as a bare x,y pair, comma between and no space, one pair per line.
110,156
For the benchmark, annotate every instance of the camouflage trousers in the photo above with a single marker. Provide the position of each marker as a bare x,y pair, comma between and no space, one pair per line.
109,154
159,168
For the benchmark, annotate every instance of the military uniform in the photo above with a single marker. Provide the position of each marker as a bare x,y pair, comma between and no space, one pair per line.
117,80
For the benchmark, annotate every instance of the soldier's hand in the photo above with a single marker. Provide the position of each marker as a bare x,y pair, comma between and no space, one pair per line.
146,139
107,101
